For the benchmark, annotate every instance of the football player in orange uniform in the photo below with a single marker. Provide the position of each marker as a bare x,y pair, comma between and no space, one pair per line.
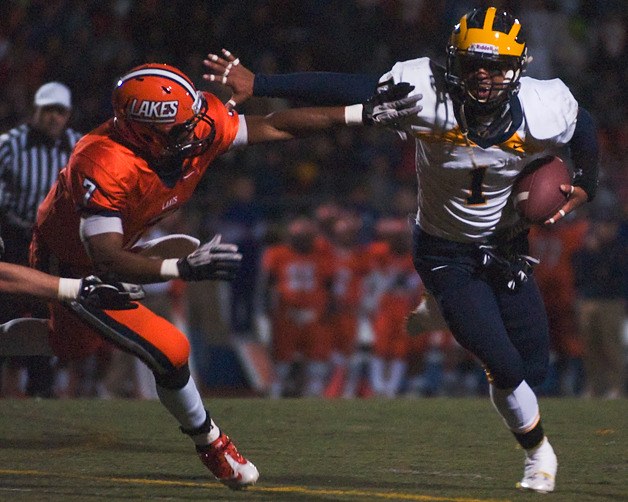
351,265
124,176
400,291
296,282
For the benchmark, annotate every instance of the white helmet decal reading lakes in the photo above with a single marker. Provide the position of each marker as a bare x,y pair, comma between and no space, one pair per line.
153,111
159,111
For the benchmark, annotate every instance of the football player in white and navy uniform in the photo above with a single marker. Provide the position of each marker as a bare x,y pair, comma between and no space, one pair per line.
476,123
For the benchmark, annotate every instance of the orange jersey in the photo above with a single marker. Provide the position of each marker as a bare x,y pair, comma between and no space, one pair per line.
299,280
397,290
105,177
398,284
350,268
555,247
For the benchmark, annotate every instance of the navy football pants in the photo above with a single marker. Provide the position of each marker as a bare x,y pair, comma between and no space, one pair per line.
506,330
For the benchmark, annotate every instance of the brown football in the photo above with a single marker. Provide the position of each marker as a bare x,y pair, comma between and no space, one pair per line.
536,192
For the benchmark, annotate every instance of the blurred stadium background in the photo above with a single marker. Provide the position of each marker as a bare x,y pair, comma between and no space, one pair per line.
86,44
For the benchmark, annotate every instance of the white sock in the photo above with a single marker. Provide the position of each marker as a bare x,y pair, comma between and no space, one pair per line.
518,407
377,376
395,379
315,374
353,376
184,404
282,371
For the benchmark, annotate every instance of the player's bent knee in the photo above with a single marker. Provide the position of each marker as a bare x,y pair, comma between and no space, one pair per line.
174,379
179,351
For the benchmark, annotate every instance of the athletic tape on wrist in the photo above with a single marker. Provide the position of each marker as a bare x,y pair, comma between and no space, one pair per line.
169,269
68,289
353,114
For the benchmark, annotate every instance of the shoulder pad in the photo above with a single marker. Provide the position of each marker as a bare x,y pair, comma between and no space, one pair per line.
549,108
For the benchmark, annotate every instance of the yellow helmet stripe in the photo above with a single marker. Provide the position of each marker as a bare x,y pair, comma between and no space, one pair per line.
514,31
488,20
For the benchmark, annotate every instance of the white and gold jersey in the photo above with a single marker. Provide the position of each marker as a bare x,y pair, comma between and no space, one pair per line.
464,190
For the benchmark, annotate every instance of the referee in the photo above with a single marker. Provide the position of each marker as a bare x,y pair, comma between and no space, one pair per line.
31,156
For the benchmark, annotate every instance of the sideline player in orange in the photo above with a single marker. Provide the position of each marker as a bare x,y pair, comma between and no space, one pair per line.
351,265
555,247
400,289
295,288
122,178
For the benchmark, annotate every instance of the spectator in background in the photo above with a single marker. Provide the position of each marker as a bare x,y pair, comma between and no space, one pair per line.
600,282
31,156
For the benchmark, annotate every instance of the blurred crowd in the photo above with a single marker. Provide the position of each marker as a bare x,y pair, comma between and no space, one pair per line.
360,182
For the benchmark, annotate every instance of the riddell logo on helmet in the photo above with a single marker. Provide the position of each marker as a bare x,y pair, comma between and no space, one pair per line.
153,111
484,48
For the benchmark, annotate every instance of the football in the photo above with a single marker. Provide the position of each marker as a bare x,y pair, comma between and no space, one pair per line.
536,192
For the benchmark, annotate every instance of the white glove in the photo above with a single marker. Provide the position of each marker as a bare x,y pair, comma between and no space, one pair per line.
213,260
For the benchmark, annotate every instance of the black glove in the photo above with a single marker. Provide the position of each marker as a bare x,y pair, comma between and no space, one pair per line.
213,260
515,270
390,104
109,296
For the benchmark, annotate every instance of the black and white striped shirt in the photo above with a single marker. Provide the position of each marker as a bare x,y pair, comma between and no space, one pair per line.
29,165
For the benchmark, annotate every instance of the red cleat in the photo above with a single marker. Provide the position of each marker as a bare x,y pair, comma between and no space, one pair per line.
228,466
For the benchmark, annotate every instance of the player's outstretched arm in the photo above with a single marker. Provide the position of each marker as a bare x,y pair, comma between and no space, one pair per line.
28,281
17,279
384,108
292,123
318,88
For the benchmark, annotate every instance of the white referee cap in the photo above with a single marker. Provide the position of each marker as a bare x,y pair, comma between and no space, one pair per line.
53,93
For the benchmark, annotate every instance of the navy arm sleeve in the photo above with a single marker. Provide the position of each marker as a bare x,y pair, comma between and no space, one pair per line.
320,88
585,153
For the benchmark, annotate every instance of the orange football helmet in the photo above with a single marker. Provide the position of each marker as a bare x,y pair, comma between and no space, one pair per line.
156,110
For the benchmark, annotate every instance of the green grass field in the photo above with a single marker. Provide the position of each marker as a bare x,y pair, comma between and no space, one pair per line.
413,450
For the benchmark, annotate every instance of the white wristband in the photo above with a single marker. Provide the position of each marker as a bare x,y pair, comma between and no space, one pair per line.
68,289
169,269
353,114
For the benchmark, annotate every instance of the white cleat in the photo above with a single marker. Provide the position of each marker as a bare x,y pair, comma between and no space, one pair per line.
540,468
